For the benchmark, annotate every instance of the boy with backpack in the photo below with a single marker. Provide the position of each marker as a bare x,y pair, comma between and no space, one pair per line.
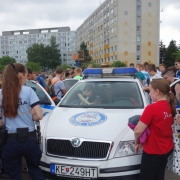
58,85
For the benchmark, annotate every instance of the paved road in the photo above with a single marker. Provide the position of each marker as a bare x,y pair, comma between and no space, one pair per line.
169,176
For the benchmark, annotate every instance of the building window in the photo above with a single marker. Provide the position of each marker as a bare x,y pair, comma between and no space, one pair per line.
138,48
149,53
138,8
138,18
149,4
125,12
149,43
138,57
138,38
138,28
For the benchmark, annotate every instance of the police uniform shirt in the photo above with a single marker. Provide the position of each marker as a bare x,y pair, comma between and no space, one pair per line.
28,99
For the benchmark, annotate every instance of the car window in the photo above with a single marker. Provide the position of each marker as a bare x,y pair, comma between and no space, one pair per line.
69,83
40,93
102,94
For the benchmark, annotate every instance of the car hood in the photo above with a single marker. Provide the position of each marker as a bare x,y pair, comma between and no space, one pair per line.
97,124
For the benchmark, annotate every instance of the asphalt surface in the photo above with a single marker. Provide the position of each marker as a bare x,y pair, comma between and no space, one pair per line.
168,176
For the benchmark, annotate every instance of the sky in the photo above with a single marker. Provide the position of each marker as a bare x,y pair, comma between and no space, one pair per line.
34,14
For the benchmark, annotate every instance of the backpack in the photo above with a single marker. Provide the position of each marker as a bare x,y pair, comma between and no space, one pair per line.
52,92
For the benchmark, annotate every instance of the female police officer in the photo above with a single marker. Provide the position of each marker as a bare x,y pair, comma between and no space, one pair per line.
19,107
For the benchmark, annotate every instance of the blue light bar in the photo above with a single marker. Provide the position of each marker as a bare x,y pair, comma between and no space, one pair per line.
124,71
92,71
115,71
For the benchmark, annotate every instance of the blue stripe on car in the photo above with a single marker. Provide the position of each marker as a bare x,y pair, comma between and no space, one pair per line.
47,107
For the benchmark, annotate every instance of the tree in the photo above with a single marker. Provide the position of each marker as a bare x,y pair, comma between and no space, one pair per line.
35,67
53,54
169,55
37,54
2,67
5,60
87,57
64,66
85,65
118,64
162,52
177,54
48,57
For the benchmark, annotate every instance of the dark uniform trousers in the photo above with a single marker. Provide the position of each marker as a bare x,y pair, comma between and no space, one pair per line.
12,153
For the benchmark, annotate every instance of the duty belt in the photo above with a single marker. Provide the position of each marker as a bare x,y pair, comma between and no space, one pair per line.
30,134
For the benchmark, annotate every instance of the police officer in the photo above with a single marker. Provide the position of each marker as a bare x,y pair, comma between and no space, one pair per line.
19,107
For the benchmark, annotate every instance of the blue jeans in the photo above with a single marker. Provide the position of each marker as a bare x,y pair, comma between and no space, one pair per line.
12,153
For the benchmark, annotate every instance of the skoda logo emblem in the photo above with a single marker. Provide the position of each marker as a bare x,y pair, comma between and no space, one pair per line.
75,142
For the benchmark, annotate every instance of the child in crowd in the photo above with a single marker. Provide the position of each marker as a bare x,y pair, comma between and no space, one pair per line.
158,117
177,65
78,74
145,72
162,68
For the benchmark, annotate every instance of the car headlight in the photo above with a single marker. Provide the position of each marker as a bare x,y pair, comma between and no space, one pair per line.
126,148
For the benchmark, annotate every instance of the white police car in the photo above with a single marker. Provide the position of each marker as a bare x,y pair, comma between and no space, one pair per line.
86,136
46,103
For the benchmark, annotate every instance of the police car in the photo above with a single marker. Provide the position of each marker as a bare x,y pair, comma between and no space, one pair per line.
86,136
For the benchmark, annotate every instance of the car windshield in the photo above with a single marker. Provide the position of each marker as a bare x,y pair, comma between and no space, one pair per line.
99,94
68,83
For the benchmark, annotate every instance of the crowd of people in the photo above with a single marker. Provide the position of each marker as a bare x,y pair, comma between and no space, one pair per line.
19,107
53,83
162,147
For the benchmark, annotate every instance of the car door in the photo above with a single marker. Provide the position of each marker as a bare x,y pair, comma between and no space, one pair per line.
46,103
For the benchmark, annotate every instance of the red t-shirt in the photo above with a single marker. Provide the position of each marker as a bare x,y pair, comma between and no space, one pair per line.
159,119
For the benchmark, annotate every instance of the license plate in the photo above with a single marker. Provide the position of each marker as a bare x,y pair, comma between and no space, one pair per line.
74,171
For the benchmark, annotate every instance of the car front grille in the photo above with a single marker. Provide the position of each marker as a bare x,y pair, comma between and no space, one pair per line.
87,149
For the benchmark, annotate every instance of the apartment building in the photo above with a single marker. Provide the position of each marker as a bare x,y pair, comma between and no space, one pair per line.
125,30
15,43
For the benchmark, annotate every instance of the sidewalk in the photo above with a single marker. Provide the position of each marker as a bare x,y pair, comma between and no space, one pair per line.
171,176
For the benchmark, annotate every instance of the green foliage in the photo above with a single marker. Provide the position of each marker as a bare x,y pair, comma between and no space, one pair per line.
170,54
118,64
85,65
5,60
37,54
64,66
46,56
87,57
2,67
35,67
177,55
162,52
53,53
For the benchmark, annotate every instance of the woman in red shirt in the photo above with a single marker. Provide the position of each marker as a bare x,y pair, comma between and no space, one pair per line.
158,117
